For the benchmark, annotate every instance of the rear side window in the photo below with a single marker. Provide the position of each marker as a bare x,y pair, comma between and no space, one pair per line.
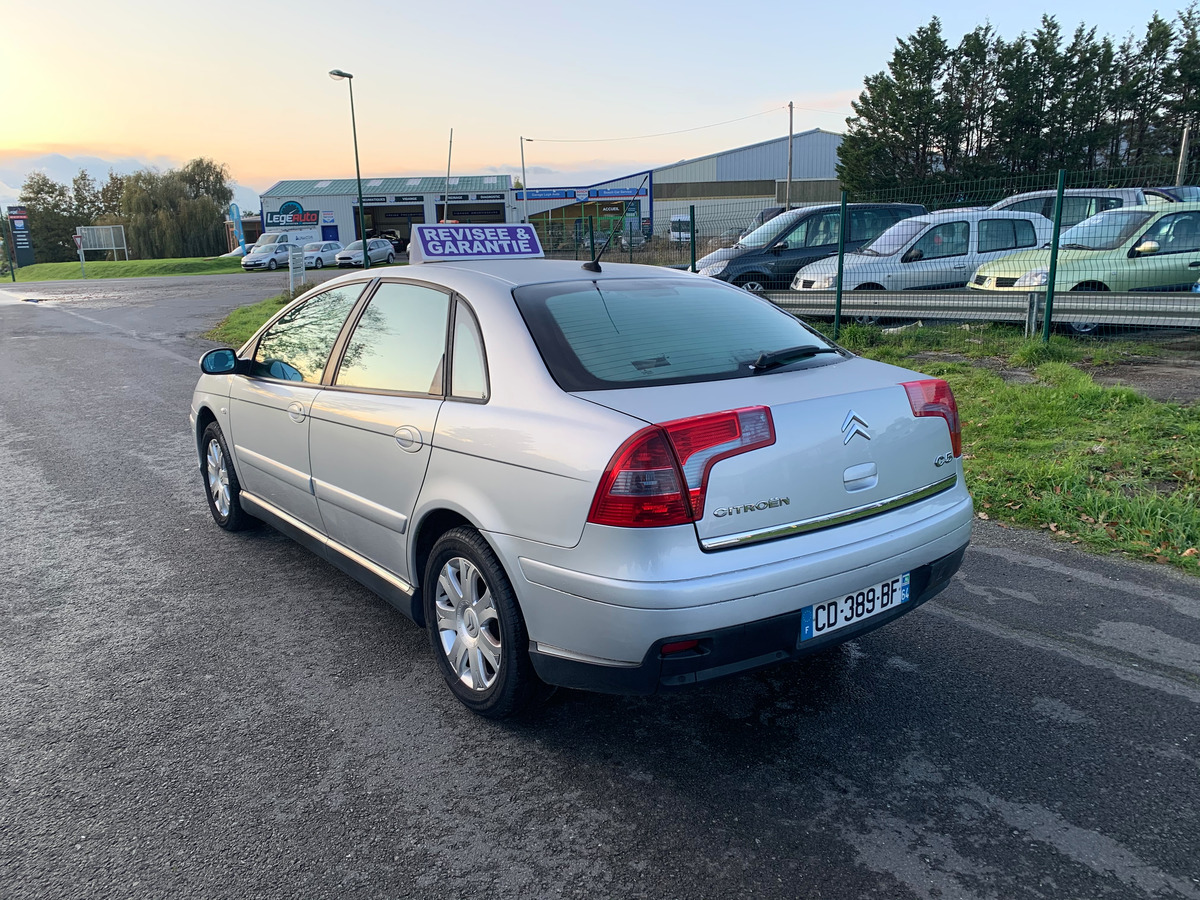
620,333
399,342
1005,234
1035,205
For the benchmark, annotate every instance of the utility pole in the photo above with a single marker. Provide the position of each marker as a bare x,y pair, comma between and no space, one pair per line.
787,197
524,183
449,154
1181,172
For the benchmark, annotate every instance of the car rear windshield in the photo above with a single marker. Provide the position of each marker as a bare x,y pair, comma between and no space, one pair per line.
621,333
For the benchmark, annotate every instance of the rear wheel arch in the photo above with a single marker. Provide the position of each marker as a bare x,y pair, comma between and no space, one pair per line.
434,524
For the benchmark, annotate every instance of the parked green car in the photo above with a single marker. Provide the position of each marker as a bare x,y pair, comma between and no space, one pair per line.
1131,248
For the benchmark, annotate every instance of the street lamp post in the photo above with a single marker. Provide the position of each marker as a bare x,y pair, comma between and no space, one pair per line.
338,75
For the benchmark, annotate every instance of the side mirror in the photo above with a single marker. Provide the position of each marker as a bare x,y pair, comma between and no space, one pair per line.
912,255
1145,248
780,247
219,362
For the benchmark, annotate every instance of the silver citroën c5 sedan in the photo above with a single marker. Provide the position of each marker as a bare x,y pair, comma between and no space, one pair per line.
620,478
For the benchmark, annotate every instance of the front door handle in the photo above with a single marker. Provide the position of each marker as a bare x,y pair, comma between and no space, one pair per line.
1194,265
408,438
963,266
295,411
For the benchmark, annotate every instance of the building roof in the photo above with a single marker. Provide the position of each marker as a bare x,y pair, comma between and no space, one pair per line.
393,185
795,137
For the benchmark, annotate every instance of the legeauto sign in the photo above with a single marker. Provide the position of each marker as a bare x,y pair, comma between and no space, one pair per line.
292,215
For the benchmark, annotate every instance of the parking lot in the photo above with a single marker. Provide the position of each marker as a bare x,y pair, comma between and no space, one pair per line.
185,712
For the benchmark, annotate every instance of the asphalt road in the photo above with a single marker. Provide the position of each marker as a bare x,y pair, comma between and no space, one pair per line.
188,713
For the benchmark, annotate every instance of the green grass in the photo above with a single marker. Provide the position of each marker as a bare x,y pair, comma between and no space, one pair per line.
1104,467
237,327
133,268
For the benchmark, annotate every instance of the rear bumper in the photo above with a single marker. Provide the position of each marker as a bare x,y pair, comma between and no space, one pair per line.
730,650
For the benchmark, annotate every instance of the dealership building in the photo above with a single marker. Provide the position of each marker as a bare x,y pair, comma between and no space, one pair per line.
389,204
727,189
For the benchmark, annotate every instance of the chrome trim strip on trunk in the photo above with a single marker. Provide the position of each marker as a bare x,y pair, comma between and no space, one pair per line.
376,570
828,521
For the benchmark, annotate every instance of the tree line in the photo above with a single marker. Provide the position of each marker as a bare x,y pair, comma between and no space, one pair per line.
167,215
988,108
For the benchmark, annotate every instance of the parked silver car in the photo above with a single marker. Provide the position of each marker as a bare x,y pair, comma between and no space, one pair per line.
381,252
267,256
931,252
319,254
624,480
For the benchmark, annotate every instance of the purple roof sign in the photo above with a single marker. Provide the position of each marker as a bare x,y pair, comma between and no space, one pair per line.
442,243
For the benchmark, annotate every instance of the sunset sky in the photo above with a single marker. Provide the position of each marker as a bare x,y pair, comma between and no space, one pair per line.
132,82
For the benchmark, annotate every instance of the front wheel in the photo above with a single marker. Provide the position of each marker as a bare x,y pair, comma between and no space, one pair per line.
391,258
320,264
1087,328
475,626
223,490
272,265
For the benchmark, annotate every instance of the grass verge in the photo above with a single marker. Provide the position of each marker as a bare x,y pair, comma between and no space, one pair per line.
133,268
238,327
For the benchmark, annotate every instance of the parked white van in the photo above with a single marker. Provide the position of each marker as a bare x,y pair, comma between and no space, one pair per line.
930,252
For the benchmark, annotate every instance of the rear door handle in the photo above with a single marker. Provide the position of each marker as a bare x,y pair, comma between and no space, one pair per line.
1194,265
963,266
295,411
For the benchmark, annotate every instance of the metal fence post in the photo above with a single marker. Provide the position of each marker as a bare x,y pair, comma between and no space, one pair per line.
1051,271
837,300
692,217
629,222
592,236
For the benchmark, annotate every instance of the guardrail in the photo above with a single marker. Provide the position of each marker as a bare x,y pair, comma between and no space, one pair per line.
1148,309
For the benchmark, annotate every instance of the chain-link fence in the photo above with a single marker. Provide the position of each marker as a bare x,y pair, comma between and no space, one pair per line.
1105,255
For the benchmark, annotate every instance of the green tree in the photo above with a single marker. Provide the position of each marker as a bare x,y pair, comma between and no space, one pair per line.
51,217
179,213
894,135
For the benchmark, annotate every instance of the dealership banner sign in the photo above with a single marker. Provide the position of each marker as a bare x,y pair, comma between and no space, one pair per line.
431,243
292,215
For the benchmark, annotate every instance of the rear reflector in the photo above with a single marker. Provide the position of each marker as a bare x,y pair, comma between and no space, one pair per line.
933,397
678,647
644,483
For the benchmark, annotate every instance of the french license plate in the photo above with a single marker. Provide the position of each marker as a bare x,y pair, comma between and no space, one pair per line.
820,619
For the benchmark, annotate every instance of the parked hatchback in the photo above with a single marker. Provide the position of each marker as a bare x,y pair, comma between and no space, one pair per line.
1132,248
930,252
622,478
381,252
267,256
770,256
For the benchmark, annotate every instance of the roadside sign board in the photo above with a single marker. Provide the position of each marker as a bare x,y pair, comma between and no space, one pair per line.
295,266
18,221
78,241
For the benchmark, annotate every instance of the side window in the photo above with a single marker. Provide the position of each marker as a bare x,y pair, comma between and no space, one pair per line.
868,224
822,231
297,346
1103,203
1076,209
997,234
399,344
1026,233
947,239
1036,205
468,372
1178,233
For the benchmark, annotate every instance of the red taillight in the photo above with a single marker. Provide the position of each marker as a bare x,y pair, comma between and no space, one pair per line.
678,647
642,486
933,397
644,483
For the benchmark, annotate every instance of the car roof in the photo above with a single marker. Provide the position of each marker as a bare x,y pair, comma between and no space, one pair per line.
506,274
1122,193
974,214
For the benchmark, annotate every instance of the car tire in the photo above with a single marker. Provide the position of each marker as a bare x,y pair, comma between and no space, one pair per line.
272,265
221,485
391,258
751,283
475,626
320,263
1087,328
